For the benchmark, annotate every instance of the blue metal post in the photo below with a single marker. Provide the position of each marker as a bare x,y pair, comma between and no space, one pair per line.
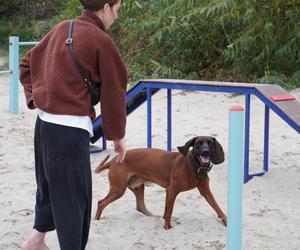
247,138
266,139
103,142
149,118
14,74
169,111
235,178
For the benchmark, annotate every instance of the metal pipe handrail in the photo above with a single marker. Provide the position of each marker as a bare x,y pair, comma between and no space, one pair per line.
28,43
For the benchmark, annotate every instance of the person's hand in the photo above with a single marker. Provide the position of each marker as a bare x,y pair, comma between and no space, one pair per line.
120,149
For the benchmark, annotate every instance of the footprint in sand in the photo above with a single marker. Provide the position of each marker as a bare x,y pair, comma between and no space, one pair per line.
9,237
23,212
5,204
217,245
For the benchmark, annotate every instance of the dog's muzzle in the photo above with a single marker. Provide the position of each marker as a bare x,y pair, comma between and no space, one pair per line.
204,169
205,163
201,162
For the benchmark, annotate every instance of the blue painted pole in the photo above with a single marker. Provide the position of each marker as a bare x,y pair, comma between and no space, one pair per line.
149,118
235,178
169,114
247,138
13,74
104,146
266,139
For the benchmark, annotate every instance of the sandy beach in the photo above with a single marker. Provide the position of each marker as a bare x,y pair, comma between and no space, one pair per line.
271,204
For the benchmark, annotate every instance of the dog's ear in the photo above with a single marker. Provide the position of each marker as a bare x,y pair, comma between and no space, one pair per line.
218,155
185,148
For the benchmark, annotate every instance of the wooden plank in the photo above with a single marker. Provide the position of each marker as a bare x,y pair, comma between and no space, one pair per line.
204,83
290,107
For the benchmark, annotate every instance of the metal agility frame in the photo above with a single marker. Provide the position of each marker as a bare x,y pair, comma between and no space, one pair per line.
144,90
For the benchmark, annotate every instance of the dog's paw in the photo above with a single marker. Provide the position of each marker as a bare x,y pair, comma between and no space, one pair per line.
167,226
97,216
224,220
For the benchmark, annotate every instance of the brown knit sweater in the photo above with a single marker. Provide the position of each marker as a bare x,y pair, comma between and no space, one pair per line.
53,84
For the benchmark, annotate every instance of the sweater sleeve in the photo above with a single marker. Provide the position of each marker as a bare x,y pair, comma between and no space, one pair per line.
113,90
25,79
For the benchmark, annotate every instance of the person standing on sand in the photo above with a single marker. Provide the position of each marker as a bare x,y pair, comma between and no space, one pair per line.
53,85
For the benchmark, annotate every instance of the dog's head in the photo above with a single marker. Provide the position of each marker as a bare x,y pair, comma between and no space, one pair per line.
206,150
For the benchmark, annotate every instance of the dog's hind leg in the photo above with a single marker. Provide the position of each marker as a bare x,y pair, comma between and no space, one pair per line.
111,196
118,185
140,202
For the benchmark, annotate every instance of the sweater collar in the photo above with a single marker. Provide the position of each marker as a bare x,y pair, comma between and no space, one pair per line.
90,16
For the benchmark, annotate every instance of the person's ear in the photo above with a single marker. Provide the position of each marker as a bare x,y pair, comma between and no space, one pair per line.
106,8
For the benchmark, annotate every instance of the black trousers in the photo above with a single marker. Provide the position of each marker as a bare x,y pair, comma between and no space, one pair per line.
64,184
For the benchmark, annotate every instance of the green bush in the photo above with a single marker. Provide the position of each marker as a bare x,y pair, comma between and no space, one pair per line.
229,40
214,40
28,19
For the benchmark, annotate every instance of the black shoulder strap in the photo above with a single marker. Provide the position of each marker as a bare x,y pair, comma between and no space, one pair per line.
69,43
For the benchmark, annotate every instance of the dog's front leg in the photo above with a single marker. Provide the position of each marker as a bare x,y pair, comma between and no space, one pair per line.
207,194
171,195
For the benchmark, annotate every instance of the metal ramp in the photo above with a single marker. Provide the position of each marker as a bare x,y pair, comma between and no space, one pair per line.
288,110
135,97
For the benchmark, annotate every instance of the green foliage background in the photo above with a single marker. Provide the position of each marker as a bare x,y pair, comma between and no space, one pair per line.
224,40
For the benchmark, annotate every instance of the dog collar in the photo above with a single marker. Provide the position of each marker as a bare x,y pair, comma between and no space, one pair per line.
199,169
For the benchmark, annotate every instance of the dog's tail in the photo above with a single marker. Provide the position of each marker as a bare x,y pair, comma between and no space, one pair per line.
101,166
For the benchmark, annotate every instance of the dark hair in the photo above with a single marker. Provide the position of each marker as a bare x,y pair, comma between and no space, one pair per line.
97,4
